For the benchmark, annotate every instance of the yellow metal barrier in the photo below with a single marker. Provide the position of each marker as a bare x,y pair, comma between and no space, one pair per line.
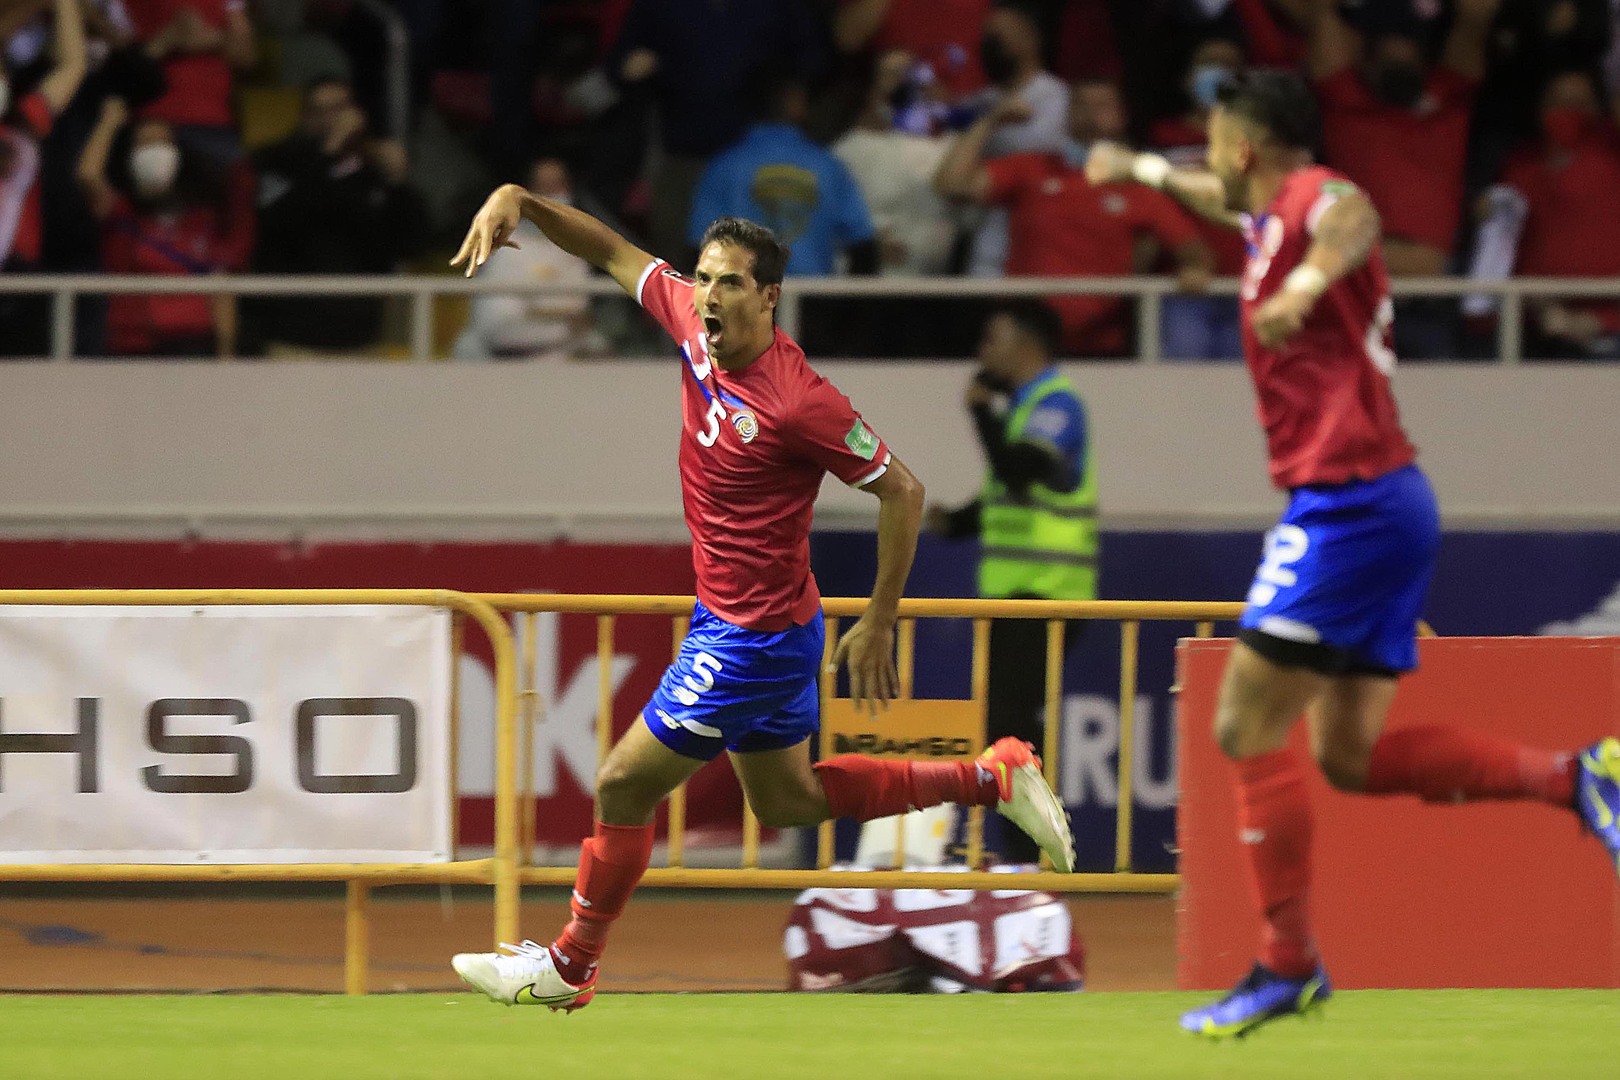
501,871
514,806
1130,615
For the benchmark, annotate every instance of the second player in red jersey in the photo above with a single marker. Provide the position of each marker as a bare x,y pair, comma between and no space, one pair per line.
1324,397
755,444
1332,612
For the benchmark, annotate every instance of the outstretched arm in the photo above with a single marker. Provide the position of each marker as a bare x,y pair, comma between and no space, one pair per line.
69,67
869,645
1197,190
574,231
1345,234
1467,42
92,171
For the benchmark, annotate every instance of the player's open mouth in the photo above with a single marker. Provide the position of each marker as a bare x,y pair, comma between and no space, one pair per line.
711,325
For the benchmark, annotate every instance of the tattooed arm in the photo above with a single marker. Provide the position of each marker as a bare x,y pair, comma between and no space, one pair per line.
1343,239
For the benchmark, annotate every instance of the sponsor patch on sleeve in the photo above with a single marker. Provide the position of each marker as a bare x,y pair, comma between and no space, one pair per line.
861,442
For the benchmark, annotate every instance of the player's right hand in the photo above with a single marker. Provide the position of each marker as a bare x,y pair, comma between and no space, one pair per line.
492,228
868,649
1109,163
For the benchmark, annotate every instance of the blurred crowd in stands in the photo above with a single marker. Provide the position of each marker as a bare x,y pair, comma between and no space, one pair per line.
878,137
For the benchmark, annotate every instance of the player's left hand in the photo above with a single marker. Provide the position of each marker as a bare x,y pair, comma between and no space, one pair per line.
1280,317
868,649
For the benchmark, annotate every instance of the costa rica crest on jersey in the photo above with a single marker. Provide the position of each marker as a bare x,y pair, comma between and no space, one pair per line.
747,425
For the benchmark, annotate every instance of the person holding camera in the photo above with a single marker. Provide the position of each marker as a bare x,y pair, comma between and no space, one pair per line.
1035,516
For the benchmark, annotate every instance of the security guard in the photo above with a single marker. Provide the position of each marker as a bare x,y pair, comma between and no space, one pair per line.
1036,514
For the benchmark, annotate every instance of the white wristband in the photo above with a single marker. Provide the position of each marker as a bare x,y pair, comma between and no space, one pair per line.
1306,279
1150,169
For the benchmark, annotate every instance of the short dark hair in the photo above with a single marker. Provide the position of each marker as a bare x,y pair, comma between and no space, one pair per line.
1279,102
1028,10
1035,319
770,254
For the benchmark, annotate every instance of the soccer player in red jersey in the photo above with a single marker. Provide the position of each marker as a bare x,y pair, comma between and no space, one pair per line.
1332,613
759,431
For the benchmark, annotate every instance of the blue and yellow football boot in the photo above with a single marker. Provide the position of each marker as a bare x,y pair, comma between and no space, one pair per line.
1263,995
1597,793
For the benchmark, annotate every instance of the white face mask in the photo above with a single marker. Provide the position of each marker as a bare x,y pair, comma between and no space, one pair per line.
154,167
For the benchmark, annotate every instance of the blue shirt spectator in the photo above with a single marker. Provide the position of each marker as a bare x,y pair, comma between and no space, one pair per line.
797,188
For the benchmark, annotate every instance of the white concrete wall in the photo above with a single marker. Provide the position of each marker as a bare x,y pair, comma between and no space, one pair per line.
589,445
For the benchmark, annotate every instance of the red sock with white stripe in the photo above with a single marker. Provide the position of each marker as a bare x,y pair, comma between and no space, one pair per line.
1443,764
1275,826
864,788
610,865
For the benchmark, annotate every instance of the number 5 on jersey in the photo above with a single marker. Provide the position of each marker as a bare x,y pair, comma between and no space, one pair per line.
716,413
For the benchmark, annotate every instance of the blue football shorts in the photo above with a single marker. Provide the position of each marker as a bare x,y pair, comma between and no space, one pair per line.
732,688
1341,584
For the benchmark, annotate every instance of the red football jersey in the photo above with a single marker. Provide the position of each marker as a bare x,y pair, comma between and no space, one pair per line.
755,445
1324,396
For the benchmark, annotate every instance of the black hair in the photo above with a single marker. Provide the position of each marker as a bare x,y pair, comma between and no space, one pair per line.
1030,11
1035,319
1278,102
770,254
766,90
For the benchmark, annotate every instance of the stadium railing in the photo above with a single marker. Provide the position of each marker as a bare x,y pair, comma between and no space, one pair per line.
421,292
515,695
1129,614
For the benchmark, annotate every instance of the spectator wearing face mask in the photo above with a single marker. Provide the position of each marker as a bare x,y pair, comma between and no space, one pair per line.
1566,184
1202,327
894,163
1399,128
1063,225
173,217
1010,51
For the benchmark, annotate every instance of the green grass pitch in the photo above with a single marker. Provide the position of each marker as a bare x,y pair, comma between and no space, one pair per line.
1371,1035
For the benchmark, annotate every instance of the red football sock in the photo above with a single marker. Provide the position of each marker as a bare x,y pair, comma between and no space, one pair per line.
864,788
1442,764
610,865
1274,824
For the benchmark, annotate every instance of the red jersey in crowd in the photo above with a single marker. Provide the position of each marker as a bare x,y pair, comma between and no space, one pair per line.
192,240
1062,225
34,120
1409,161
1324,395
199,83
755,445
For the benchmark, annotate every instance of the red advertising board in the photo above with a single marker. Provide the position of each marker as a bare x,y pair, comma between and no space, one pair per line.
1412,895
